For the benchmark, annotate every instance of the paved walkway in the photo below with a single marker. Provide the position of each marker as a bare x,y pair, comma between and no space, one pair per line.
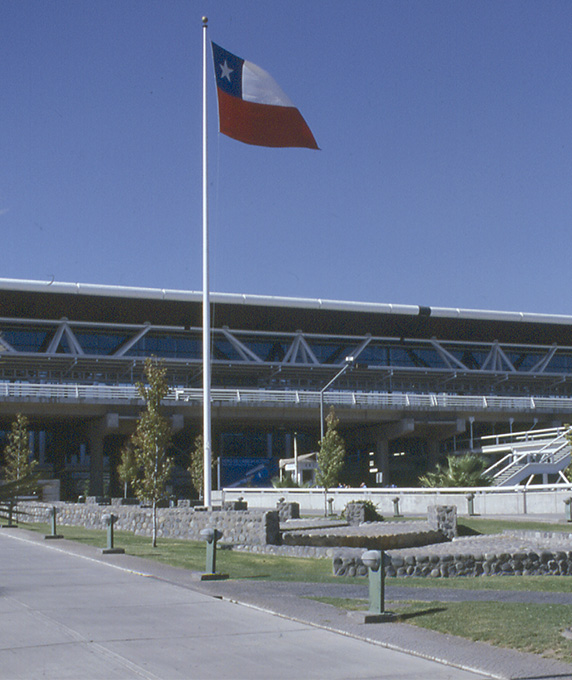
67,611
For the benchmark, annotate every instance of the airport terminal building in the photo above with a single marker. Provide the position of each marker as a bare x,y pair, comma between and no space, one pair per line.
408,383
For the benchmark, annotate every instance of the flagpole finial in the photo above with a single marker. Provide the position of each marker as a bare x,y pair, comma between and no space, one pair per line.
205,21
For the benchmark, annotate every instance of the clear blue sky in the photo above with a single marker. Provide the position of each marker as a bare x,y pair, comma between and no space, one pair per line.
444,176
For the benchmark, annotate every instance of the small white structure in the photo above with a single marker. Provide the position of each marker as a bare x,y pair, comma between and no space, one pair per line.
302,468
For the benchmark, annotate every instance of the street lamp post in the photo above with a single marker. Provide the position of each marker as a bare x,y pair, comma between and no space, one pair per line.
348,362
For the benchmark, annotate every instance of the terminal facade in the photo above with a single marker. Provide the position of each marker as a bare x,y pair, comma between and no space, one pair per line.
409,384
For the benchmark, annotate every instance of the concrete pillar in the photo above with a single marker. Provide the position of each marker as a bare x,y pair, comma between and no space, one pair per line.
42,447
96,435
382,458
432,453
97,430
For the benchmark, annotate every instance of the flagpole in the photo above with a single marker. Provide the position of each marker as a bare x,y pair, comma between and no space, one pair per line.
206,299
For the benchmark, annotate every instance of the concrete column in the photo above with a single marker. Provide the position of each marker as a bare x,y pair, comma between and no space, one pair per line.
42,447
382,458
96,435
432,453
97,430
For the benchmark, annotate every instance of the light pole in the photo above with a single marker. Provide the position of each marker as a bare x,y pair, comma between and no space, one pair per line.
348,362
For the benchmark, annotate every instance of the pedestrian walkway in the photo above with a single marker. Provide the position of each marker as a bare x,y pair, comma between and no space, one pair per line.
67,611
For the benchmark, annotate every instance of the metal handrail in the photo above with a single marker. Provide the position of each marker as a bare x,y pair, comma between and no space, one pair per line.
409,401
546,454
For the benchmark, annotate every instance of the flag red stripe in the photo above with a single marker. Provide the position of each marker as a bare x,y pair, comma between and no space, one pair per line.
262,124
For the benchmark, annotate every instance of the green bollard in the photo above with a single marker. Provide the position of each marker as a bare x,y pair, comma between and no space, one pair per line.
374,560
211,536
53,512
568,504
109,520
470,504
396,507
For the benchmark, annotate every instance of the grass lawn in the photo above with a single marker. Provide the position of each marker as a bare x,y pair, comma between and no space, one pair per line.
527,627
192,555
533,628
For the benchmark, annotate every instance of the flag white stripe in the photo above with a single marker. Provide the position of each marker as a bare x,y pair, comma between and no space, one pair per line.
259,87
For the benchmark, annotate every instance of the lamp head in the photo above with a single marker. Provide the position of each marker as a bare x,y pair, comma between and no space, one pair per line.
372,559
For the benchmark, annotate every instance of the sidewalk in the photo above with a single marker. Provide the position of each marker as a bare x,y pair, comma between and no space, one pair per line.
67,611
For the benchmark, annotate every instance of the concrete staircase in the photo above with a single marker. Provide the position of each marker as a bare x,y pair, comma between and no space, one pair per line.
527,455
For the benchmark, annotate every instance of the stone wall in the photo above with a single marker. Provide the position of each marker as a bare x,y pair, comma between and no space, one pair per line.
238,527
287,511
387,537
529,563
443,518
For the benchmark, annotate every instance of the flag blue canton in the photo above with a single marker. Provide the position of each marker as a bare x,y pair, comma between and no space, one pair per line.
228,71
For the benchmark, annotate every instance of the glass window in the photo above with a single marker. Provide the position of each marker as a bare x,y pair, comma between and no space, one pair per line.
167,346
560,363
100,343
26,340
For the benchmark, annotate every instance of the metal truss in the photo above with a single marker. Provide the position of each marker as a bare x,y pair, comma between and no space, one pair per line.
65,351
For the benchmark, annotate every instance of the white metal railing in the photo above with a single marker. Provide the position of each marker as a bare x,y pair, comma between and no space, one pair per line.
402,491
549,446
525,435
496,468
396,400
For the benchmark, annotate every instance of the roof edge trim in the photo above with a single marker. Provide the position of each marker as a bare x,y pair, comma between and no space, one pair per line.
96,290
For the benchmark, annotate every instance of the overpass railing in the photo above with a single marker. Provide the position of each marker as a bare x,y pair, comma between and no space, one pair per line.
269,398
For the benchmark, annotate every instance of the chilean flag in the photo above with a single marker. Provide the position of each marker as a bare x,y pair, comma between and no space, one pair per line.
253,109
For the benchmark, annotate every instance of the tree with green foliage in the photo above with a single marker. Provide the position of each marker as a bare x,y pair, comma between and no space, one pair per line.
127,468
568,471
151,440
330,457
197,465
17,454
465,470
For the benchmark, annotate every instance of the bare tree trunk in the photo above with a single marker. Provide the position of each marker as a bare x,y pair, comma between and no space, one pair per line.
155,496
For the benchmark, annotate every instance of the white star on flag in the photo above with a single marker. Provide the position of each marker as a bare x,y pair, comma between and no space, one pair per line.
225,71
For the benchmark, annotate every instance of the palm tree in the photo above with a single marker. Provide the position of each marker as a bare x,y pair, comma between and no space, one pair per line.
466,470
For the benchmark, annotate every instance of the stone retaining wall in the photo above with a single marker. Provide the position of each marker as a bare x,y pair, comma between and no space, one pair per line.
443,518
522,563
370,540
241,527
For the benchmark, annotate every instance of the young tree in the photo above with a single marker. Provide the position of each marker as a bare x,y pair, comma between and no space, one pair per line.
461,471
330,456
151,440
17,454
197,465
127,468
568,471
